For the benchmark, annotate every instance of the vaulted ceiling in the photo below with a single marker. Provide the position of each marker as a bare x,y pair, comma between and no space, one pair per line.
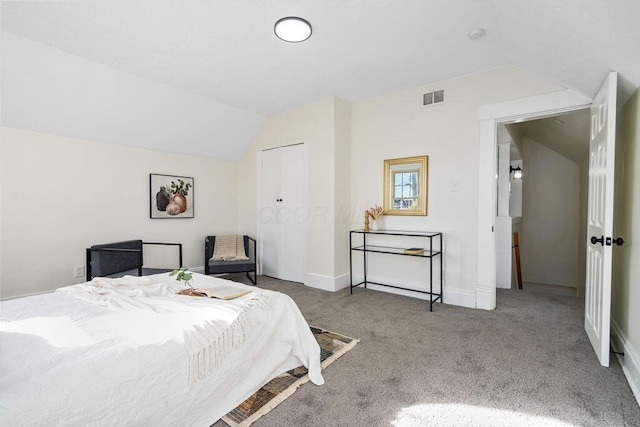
226,50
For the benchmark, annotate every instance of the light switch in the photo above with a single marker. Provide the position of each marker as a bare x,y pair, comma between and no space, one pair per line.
455,186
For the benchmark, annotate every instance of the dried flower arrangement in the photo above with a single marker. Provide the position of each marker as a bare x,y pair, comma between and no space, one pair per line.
376,212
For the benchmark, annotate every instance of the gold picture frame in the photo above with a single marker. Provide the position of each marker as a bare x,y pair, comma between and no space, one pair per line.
406,186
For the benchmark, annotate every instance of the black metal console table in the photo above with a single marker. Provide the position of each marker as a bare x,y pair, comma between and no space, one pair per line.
430,252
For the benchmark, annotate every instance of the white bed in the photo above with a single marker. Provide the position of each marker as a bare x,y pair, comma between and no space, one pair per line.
133,352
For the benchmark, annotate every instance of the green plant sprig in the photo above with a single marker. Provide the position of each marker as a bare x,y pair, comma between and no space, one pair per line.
182,274
180,188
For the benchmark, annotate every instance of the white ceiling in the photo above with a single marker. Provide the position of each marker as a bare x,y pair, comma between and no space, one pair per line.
566,134
226,50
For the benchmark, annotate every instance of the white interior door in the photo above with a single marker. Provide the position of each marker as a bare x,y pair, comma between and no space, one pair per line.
600,218
282,213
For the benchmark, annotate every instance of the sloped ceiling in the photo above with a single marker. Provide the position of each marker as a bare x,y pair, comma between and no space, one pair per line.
226,50
566,134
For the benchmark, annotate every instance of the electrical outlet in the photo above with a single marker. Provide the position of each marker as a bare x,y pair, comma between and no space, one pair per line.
78,271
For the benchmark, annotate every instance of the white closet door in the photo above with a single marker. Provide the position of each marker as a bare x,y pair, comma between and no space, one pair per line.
283,214
292,213
270,230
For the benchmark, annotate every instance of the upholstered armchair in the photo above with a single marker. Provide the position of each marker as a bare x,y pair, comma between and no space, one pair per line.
232,266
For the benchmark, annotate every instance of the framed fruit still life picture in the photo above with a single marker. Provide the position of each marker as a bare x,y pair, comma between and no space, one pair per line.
170,196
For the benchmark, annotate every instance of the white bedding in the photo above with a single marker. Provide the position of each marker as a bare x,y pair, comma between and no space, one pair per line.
134,353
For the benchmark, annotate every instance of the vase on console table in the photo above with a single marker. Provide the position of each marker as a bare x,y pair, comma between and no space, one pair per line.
375,213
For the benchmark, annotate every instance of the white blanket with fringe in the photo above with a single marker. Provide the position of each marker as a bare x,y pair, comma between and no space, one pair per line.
140,354
208,332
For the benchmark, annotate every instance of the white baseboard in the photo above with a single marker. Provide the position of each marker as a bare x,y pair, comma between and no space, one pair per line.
450,296
459,298
327,283
199,269
562,285
485,298
630,361
342,281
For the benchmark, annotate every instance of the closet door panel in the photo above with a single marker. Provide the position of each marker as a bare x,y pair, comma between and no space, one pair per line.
270,238
292,214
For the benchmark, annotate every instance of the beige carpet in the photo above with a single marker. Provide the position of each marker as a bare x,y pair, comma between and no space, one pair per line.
529,362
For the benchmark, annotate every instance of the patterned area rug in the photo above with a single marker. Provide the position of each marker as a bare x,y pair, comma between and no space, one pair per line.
332,346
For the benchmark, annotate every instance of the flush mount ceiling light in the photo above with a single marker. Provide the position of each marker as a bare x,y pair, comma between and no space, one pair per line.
292,29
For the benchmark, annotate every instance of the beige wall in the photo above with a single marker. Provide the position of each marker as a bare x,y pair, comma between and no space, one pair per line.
61,195
315,126
361,136
397,125
346,145
550,217
626,272
342,190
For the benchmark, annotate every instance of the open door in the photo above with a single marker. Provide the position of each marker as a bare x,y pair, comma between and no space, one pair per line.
597,308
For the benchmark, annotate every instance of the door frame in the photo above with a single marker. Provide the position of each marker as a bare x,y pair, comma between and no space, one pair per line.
490,116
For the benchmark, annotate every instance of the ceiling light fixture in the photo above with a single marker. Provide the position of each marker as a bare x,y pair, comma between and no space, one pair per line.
476,34
292,29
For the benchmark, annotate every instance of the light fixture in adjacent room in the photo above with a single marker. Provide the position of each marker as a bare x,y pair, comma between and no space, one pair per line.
517,172
292,29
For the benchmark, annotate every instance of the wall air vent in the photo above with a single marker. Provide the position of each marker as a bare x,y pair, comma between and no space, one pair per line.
435,97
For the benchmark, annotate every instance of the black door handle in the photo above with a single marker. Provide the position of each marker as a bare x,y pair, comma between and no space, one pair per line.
619,241
595,240
610,240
